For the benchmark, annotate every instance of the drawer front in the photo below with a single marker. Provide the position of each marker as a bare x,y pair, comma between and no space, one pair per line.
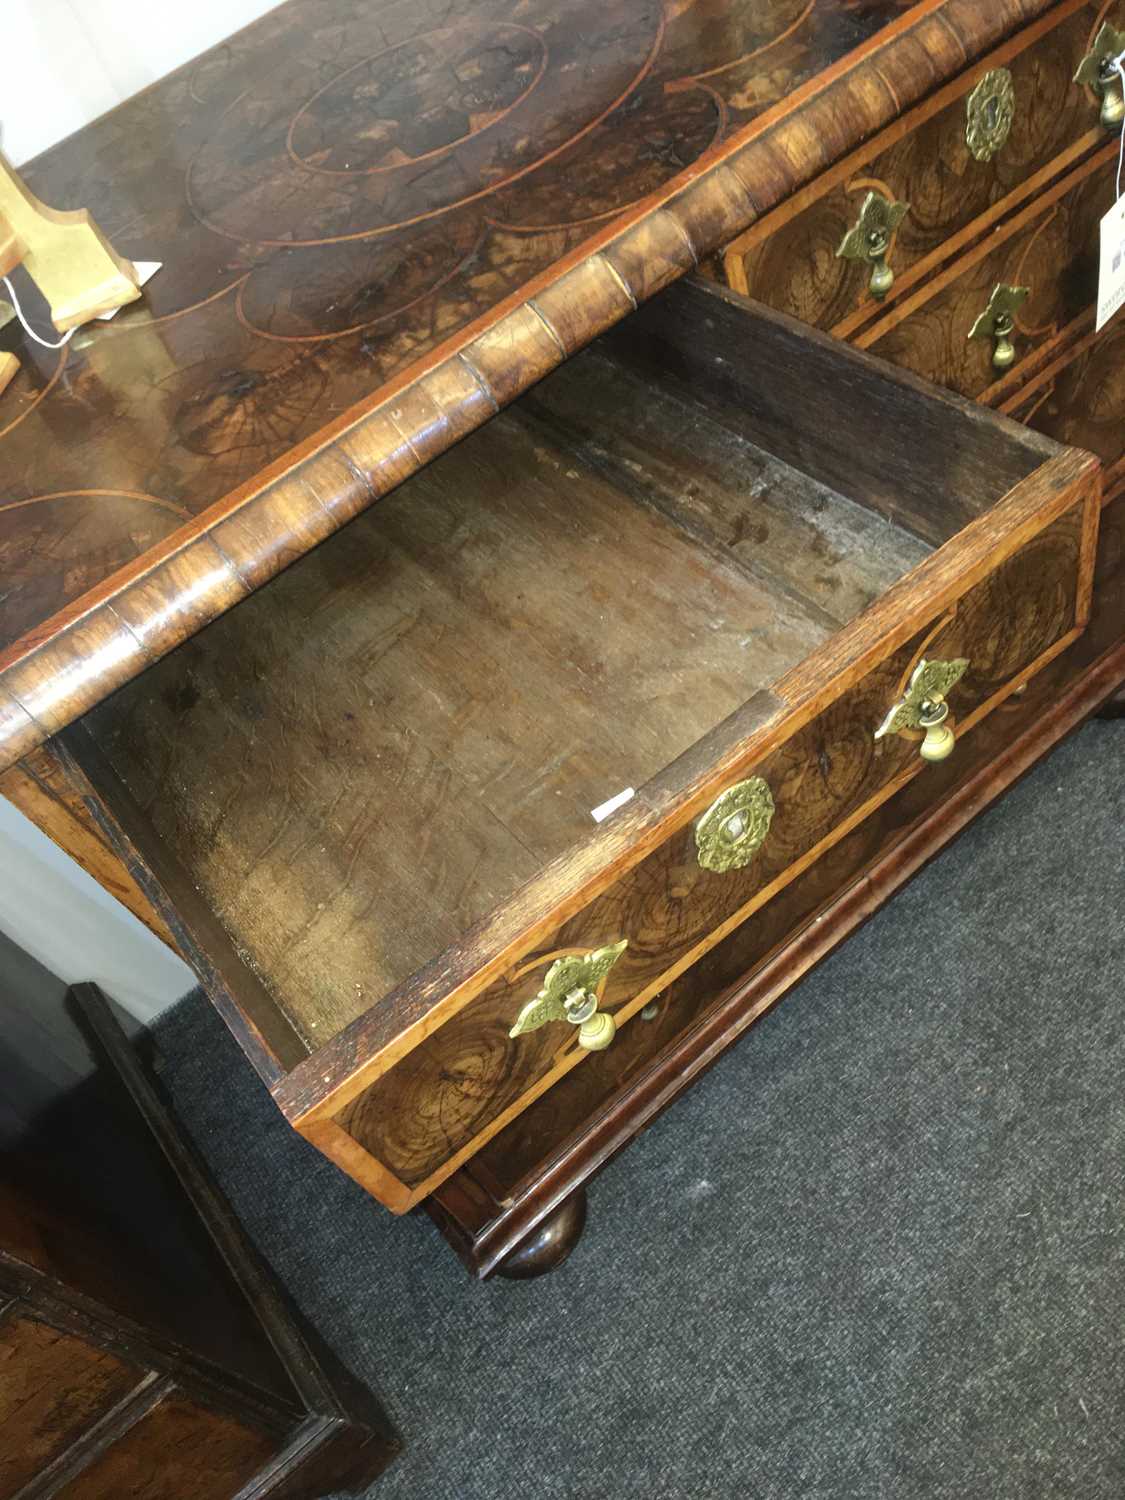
795,268
442,1100
1080,399
1055,254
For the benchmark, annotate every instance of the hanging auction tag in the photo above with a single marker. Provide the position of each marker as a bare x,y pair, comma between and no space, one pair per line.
1111,271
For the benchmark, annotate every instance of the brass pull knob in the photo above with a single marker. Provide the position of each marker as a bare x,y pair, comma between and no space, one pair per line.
990,110
734,827
1098,71
570,993
998,322
923,706
869,239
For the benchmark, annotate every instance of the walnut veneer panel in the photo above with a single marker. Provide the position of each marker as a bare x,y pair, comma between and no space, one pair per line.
445,1095
53,1387
1053,250
337,305
789,260
1079,398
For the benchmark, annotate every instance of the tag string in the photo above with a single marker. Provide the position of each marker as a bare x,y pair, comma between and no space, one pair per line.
1119,64
27,328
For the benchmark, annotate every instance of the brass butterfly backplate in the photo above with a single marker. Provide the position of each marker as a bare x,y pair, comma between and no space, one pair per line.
1098,71
998,322
570,993
869,239
923,707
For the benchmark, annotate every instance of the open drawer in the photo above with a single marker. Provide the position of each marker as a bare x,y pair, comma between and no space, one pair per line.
719,559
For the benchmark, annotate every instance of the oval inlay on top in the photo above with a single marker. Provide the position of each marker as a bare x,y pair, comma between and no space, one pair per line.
420,98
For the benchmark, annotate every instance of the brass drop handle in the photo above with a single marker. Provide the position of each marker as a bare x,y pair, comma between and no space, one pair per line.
990,111
998,322
923,706
570,993
869,239
939,739
734,827
1098,71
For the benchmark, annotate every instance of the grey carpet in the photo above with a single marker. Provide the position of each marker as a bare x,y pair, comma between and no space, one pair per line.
878,1251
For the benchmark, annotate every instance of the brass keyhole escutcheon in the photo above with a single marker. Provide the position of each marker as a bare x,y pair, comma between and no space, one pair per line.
990,111
998,322
923,706
1097,71
869,239
570,993
734,827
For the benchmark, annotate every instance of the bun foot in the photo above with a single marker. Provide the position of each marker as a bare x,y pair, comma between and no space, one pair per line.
549,1243
1113,707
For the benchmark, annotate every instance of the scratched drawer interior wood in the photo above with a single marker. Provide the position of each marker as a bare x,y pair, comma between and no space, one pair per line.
712,547
790,260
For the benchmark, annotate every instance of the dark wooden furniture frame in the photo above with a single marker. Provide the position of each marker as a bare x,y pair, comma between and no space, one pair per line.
324,1432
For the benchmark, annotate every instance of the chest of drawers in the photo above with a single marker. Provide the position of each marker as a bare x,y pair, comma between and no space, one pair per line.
796,611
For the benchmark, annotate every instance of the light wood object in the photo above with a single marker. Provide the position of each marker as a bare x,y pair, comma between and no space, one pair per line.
11,250
64,252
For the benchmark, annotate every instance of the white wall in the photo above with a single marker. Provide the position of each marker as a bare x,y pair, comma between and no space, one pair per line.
63,918
68,61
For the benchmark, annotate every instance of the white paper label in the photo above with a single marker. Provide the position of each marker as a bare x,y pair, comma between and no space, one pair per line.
1111,273
600,814
146,270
